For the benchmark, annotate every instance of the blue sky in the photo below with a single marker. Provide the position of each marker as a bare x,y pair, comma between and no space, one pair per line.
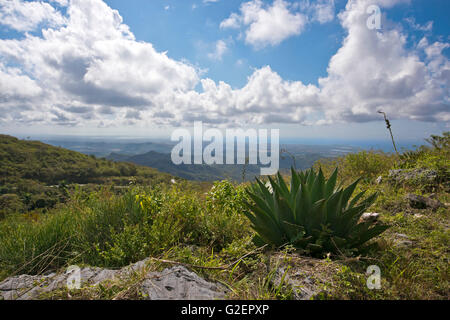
311,68
190,33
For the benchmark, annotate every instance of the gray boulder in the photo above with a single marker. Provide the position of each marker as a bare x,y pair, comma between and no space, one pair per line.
304,277
370,216
413,175
26,287
419,202
178,283
402,241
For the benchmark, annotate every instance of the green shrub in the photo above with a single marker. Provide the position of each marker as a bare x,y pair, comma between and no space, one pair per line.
311,215
366,164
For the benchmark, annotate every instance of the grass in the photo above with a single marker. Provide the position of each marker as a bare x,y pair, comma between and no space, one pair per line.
203,226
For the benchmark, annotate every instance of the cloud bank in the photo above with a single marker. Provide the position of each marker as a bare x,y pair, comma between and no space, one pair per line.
87,69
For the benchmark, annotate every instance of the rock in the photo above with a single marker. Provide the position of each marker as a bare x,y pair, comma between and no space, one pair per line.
26,287
370,216
420,202
305,277
379,180
402,240
178,283
413,175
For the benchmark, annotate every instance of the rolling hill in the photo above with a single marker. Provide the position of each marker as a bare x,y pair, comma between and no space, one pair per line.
34,174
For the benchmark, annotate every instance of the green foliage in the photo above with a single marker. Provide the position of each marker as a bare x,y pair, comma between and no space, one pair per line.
366,164
312,214
109,230
222,220
39,173
435,157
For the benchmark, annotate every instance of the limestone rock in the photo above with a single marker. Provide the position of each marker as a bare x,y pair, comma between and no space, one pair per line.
306,277
370,216
379,180
178,283
413,175
26,287
420,202
402,240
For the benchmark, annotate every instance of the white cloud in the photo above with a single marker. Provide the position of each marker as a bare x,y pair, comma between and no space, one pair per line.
412,23
26,16
321,11
373,70
91,71
233,21
220,49
266,25
271,24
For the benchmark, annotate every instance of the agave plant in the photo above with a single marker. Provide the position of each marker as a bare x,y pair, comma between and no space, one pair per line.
312,214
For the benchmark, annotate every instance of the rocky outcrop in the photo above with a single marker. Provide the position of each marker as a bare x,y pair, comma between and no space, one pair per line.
26,287
370,216
420,202
176,283
402,241
413,176
305,277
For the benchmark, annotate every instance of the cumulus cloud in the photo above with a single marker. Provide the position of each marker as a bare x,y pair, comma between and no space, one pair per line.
271,24
27,16
92,60
374,70
90,70
266,25
219,50
321,11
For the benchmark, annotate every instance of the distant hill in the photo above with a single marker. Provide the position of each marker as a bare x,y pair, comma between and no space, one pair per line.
30,172
163,162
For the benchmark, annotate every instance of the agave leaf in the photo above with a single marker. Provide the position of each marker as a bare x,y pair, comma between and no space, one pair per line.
367,233
294,231
263,205
348,192
283,187
349,219
318,214
295,181
283,211
331,183
318,187
334,207
312,214
265,193
369,200
303,206
356,199
259,216
311,177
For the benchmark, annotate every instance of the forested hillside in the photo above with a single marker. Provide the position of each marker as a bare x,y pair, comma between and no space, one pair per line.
36,175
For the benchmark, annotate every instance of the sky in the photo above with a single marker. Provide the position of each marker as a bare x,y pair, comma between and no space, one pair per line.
314,69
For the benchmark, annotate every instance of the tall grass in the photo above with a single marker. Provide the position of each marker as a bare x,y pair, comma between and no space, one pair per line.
107,230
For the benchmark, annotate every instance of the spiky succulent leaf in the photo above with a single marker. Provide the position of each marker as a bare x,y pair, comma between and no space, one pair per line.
311,213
